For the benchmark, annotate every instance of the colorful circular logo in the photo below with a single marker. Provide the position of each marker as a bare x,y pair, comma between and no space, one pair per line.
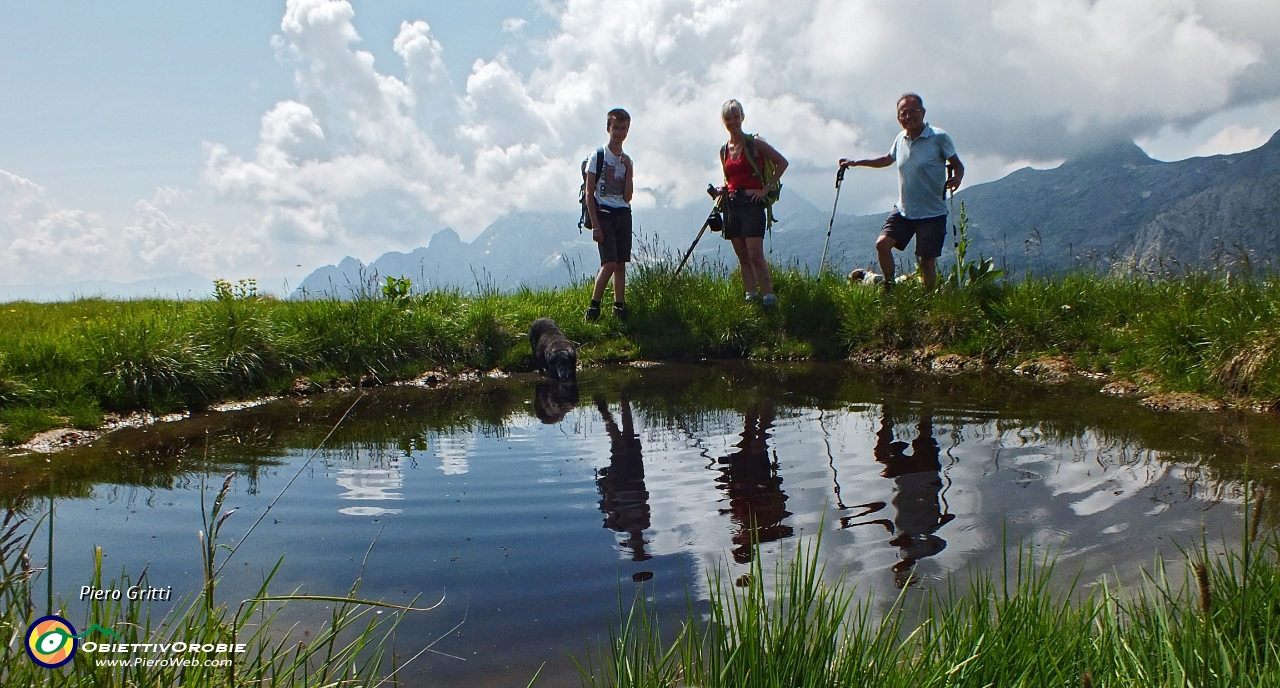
51,641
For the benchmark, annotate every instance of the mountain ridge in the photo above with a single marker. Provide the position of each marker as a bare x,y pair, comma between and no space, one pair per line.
1111,208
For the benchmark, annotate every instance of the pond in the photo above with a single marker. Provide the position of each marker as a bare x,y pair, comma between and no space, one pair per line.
533,509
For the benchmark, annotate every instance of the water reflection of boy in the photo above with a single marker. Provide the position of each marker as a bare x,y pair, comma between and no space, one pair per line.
918,477
624,499
757,504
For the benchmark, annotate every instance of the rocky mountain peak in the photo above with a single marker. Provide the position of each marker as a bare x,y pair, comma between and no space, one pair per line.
1112,154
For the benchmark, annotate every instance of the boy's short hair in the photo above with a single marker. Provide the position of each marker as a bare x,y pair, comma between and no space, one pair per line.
618,114
731,107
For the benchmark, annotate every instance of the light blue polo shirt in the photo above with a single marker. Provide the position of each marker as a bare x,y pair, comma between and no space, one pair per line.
922,172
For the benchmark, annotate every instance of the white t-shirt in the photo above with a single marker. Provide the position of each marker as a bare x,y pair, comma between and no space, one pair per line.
611,184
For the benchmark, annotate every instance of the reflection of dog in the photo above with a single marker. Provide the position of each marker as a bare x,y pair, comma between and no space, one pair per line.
552,401
868,277
553,353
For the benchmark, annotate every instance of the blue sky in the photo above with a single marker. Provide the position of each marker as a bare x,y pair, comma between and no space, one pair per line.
107,101
238,138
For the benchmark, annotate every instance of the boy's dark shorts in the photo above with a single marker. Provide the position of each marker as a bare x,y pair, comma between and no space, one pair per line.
744,218
615,226
930,233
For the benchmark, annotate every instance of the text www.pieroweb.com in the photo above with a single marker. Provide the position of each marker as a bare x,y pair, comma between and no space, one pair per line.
162,662
177,654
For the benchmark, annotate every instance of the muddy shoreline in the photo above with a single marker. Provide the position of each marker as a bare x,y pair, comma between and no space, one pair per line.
1048,370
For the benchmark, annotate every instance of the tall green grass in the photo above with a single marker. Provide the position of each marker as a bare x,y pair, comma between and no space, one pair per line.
351,648
1218,624
72,361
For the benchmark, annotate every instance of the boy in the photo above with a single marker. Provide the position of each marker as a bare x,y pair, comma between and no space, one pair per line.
609,206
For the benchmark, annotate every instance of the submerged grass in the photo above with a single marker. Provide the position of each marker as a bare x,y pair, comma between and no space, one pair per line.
66,363
1218,625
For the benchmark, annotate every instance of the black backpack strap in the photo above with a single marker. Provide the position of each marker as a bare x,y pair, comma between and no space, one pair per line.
599,162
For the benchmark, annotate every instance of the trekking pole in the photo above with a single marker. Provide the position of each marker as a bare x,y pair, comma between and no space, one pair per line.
706,223
955,234
823,265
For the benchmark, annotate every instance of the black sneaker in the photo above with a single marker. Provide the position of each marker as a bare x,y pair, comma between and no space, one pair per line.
620,312
593,313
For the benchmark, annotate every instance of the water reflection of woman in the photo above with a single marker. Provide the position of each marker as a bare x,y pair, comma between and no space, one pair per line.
757,504
623,497
918,478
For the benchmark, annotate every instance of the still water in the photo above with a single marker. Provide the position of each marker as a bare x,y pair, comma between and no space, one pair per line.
532,509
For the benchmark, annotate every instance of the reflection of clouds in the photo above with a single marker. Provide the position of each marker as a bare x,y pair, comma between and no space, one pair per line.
367,511
369,483
1106,474
453,450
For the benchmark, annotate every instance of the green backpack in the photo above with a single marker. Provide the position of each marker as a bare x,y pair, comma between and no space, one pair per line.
764,175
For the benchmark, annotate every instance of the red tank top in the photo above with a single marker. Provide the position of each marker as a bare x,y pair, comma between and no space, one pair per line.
739,175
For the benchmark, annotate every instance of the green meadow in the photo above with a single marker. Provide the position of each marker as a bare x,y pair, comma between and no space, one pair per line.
65,364
1212,619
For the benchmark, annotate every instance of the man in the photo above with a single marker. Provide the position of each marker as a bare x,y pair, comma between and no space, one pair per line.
609,183
927,167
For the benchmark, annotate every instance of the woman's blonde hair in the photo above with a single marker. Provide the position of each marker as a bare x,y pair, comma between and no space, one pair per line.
731,107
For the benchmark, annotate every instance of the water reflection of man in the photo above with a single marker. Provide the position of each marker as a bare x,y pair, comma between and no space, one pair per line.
623,497
757,504
918,478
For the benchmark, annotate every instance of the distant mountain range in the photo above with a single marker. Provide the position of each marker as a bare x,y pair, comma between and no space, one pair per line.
1109,209
185,286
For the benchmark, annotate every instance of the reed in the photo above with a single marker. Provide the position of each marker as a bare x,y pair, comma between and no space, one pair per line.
352,648
1013,627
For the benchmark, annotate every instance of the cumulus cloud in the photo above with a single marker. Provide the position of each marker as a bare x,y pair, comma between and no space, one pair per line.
41,242
361,159
160,239
1012,80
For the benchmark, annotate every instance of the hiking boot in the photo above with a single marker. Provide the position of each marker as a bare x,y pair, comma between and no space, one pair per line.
751,296
620,312
769,300
593,313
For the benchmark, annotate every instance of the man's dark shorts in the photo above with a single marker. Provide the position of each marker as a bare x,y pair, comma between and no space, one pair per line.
615,225
744,218
930,233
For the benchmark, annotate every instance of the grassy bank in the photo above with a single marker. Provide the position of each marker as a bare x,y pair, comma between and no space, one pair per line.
1212,623
67,363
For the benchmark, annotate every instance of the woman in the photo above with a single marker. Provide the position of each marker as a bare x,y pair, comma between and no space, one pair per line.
746,190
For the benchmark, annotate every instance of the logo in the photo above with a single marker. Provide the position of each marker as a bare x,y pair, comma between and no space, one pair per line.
51,641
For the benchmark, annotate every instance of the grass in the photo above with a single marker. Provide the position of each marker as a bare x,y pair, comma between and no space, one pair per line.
351,649
66,363
1216,625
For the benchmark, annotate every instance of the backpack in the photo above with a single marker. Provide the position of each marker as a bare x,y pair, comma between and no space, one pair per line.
764,175
584,220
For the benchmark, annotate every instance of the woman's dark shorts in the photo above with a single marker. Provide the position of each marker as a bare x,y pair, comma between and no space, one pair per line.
930,233
743,218
615,225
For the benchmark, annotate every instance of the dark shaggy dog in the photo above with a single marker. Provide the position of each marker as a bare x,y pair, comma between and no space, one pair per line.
553,353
